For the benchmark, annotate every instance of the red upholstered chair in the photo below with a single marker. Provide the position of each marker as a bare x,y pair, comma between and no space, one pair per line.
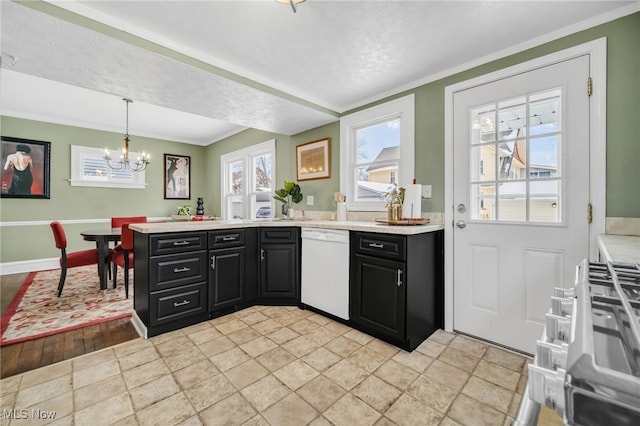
117,222
73,259
124,257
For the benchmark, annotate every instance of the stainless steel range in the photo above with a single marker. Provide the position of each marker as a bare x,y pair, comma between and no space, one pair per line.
587,362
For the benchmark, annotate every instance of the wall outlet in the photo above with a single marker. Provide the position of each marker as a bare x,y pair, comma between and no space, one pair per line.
426,191
310,200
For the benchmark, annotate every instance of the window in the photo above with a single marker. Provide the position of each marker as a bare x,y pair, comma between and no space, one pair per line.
516,168
376,151
247,177
89,168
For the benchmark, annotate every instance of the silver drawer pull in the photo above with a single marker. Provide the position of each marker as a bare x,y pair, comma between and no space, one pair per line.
184,302
184,269
181,243
376,245
399,283
228,238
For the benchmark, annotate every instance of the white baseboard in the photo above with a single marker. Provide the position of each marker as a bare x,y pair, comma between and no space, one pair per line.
138,325
22,266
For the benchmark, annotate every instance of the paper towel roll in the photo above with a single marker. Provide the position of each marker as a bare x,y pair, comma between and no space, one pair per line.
341,212
412,206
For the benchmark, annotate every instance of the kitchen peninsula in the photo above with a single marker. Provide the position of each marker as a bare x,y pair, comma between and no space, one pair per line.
188,272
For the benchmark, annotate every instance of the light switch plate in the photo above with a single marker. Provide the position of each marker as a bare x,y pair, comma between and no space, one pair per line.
426,191
310,200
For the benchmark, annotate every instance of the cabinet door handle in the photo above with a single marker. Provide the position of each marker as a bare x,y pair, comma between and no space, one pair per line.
181,243
213,262
376,245
183,269
184,302
399,277
261,254
228,238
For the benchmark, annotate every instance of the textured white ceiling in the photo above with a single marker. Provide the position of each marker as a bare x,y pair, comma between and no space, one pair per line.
238,64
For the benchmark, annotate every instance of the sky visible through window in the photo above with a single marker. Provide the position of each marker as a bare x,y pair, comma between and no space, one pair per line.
373,139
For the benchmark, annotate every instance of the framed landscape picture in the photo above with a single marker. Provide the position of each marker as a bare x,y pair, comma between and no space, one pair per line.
25,168
177,177
313,160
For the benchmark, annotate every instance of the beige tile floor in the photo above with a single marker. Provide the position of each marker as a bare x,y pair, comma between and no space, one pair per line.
273,366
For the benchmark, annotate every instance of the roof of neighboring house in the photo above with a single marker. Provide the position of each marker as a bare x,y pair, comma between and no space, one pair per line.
368,189
391,153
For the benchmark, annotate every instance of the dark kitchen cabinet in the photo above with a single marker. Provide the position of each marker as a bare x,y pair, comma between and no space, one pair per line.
170,273
280,266
396,286
232,269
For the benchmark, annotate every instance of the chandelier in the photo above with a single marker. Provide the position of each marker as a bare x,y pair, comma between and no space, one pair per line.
293,3
141,162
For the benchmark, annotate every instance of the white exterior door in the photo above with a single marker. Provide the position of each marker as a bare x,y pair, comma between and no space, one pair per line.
520,199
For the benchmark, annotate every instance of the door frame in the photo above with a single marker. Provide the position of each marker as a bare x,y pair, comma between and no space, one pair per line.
597,50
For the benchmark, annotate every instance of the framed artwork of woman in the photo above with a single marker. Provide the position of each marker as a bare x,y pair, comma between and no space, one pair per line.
25,168
177,177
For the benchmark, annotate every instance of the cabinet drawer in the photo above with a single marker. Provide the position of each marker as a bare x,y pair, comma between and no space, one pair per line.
172,305
177,270
380,245
227,238
178,243
279,235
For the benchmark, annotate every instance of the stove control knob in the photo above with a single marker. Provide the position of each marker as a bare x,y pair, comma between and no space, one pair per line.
550,355
558,327
561,306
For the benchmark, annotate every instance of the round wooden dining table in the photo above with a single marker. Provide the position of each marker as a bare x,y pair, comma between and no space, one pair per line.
102,238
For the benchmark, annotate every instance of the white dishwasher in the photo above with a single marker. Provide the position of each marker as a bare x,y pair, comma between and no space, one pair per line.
325,270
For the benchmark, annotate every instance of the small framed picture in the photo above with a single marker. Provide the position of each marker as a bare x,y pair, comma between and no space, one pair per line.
26,168
313,160
177,177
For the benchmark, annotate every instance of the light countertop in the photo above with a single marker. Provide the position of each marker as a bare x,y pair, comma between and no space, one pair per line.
212,225
620,248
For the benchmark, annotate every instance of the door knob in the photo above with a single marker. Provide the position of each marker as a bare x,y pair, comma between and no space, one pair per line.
461,208
461,224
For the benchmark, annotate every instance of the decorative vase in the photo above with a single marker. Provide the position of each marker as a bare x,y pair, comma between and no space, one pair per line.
395,212
200,207
285,210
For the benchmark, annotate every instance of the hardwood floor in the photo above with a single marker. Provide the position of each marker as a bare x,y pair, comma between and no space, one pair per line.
21,357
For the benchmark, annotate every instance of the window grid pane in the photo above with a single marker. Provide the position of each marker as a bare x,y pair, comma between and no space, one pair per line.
515,172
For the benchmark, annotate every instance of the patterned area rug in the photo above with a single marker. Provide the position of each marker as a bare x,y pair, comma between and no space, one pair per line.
36,311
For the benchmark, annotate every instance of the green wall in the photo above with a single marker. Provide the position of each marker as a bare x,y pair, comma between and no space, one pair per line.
81,203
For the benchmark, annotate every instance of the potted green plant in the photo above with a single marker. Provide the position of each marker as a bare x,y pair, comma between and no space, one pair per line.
288,194
182,213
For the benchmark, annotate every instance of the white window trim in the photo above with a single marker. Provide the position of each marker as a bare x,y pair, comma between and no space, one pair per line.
245,155
402,108
78,179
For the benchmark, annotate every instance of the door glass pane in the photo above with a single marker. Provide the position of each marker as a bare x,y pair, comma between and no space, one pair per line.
544,157
545,201
483,202
483,163
544,111
512,207
512,118
483,119
512,160
236,177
